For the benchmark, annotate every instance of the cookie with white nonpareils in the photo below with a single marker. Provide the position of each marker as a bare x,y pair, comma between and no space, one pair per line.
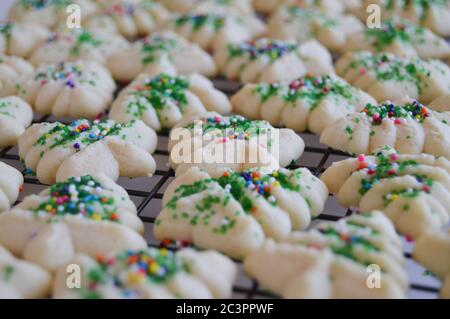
12,69
332,260
266,60
235,211
330,7
161,101
408,126
184,6
307,103
56,151
151,274
216,143
21,38
162,51
15,116
73,89
412,190
22,279
11,181
89,214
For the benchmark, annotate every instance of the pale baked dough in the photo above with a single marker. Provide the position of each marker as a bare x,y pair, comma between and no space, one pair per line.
412,190
308,103
239,142
234,212
161,52
11,180
12,69
161,101
15,116
330,7
332,261
151,274
88,215
184,6
266,60
21,38
55,151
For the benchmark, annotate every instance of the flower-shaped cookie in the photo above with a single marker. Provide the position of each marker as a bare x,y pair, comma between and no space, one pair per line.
21,38
233,213
387,77
76,89
399,37
150,274
15,116
161,52
11,181
334,260
308,103
55,151
185,6
433,251
412,190
161,101
330,7
407,126
217,143
130,18
20,279
78,44
11,70
88,215
266,60
293,22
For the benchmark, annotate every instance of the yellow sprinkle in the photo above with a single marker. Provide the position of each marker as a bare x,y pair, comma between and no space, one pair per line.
275,174
394,197
135,278
47,135
154,267
163,251
276,184
96,217
48,207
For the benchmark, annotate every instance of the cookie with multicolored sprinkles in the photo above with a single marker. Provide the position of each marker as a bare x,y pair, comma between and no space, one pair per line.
21,279
150,274
407,126
12,69
412,190
185,6
388,77
217,143
162,51
68,89
89,214
15,116
56,151
266,60
333,260
161,101
11,181
130,18
307,103
330,7
235,211
21,38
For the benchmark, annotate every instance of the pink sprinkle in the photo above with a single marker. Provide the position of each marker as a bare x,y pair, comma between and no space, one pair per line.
391,171
361,158
394,157
224,140
409,238
426,188
362,71
398,121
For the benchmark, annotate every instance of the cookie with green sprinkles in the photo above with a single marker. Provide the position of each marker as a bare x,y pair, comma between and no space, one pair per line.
161,101
185,6
235,211
268,60
307,103
57,151
161,52
11,181
408,126
21,279
15,116
412,190
21,38
12,68
89,215
330,7
332,261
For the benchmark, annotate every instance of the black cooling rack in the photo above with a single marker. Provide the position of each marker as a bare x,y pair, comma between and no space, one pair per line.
147,193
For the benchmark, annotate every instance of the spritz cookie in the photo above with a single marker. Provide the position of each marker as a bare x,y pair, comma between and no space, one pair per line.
21,38
293,22
412,190
407,126
11,181
184,6
388,77
161,52
217,143
234,212
266,60
88,215
334,260
161,101
15,116
330,7
150,274
11,70
21,279
130,18
75,89
307,103
55,151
